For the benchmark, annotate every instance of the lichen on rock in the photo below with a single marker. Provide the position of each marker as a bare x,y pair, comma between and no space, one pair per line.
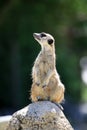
42,115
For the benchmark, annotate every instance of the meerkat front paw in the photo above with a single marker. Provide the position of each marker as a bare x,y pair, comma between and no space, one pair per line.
37,81
45,83
38,84
43,86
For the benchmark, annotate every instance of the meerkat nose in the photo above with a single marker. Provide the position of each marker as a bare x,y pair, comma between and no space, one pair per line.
36,36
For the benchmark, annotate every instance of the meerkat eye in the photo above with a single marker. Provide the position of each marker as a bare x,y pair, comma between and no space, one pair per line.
43,35
50,41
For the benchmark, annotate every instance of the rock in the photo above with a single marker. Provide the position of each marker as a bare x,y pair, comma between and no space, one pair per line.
42,115
4,121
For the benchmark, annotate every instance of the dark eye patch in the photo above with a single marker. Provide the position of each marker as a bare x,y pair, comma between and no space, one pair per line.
50,41
43,35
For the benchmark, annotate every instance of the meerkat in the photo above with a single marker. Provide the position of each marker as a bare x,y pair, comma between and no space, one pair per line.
46,80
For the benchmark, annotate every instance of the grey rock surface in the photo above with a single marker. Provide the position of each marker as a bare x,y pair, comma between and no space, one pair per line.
42,115
4,121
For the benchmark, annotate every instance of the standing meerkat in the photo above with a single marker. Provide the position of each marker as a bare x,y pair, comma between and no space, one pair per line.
46,81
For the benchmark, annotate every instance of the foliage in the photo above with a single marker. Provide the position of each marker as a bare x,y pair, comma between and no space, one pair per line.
65,20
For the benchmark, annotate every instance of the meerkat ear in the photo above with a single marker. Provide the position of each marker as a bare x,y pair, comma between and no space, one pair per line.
50,41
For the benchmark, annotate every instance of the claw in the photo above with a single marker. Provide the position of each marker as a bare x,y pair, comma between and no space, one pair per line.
39,98
44,86
38,84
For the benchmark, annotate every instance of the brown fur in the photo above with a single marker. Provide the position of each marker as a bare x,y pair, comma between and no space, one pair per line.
46,82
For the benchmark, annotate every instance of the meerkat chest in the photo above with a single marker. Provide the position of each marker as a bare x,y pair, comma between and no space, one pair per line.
45,63
44,66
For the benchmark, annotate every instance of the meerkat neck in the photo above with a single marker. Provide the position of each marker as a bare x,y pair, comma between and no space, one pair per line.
45,52
48,51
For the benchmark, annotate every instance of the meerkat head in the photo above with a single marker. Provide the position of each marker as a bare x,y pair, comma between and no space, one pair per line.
44,39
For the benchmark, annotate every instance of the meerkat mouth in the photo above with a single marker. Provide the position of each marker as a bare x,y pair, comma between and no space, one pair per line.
36,36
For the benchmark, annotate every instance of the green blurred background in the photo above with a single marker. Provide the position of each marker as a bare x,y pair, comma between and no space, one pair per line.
66,20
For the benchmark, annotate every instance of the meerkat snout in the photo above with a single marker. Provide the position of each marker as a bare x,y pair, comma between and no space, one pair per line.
44,38
36,36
